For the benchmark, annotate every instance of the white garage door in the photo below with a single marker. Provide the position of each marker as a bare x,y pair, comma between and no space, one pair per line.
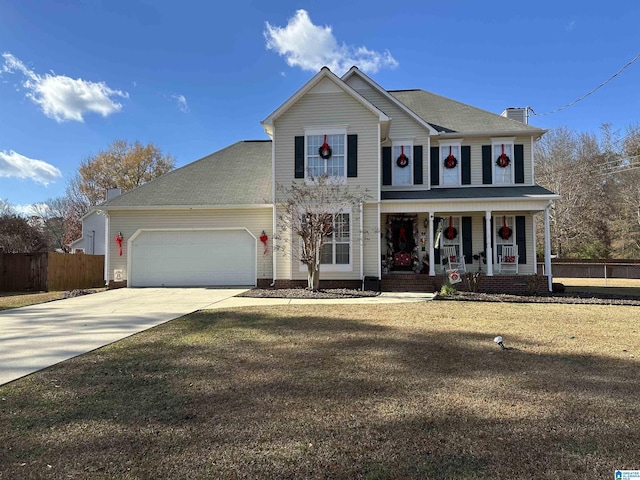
193,258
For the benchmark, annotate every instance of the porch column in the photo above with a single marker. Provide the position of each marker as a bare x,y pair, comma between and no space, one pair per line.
489,257
547,248
432,267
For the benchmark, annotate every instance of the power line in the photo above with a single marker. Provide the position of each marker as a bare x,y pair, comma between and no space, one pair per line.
588,93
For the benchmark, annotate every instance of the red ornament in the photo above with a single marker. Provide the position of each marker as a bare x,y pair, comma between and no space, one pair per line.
264,238
119,239
450,232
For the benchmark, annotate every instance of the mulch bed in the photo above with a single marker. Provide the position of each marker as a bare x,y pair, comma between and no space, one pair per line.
338,293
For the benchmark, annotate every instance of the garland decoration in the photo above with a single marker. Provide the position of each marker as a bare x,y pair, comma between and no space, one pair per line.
403,160
451,161
450,232
503,160
505,232
325,151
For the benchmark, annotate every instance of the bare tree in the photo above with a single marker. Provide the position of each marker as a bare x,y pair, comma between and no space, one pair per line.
309,216
18,235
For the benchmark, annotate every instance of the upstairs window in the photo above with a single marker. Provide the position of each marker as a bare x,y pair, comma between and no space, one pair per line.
402,163
503,161
450,163
331,161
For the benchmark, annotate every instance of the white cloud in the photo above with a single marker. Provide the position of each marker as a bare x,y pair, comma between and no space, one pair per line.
12,164
64,98
182,103
311,47
570,26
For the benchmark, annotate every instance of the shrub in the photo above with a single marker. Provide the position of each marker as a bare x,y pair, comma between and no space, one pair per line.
447,290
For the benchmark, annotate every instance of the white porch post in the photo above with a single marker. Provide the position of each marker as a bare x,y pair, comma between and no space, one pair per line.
489,257
432,267
547,248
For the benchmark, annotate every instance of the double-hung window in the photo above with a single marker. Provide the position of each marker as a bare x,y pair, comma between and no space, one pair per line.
502,159
402,163
332,164
450,161
505,232
337,249
451,238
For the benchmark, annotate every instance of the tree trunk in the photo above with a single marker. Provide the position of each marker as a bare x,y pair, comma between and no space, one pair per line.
313,277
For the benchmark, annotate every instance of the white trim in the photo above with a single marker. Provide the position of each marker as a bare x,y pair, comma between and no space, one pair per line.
243,206
140,231
361,233
379,233
107,248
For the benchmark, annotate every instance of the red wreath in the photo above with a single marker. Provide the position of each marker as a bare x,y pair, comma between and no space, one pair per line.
325,151
264,238
119,239
505,232
403,160
451,161
450,232
503,160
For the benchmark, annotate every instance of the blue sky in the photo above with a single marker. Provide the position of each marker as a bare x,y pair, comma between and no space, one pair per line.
194,76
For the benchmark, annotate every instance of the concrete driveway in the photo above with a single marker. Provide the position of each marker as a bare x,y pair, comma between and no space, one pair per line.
35,337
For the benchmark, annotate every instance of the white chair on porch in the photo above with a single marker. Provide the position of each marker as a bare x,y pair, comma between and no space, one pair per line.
508,260
453,261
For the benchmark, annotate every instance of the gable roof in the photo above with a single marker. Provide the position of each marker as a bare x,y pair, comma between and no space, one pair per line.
239,174
452,117
354,71
324,72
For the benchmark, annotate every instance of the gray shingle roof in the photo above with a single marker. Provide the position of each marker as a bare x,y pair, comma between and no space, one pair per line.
448,116
239,174
469,193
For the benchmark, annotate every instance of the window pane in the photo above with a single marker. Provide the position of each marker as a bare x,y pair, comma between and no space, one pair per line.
502,175
342,254
402,175
450,176
341,229
326,254
333,166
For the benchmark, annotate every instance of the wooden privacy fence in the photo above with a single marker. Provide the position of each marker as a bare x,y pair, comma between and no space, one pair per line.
578,268
50,271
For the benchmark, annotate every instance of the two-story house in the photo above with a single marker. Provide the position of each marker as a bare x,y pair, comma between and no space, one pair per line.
443,176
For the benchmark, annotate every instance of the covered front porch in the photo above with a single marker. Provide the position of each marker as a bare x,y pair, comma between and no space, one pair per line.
494,236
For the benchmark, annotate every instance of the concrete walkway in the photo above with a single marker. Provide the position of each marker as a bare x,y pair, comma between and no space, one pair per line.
38,336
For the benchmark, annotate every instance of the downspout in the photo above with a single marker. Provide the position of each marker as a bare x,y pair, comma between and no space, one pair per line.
361,246
273,247
547,247
273,201
107,226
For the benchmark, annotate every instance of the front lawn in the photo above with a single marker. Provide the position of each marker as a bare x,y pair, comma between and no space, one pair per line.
10,300
396,391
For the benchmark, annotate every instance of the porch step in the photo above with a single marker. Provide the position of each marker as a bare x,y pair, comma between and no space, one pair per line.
407,283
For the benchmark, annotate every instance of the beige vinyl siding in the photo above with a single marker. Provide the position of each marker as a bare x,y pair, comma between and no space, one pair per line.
128,222
402,127
325,107
371,258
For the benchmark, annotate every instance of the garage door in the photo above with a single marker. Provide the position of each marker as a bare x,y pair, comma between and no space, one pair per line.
193,258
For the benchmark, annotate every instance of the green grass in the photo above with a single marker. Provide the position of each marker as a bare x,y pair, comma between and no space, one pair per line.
373,392
10,300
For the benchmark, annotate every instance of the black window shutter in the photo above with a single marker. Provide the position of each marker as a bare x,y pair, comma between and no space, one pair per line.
299,157
467,245
435,166
466,165
386,165
352,155
417,164
521,239
518,153
487,176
